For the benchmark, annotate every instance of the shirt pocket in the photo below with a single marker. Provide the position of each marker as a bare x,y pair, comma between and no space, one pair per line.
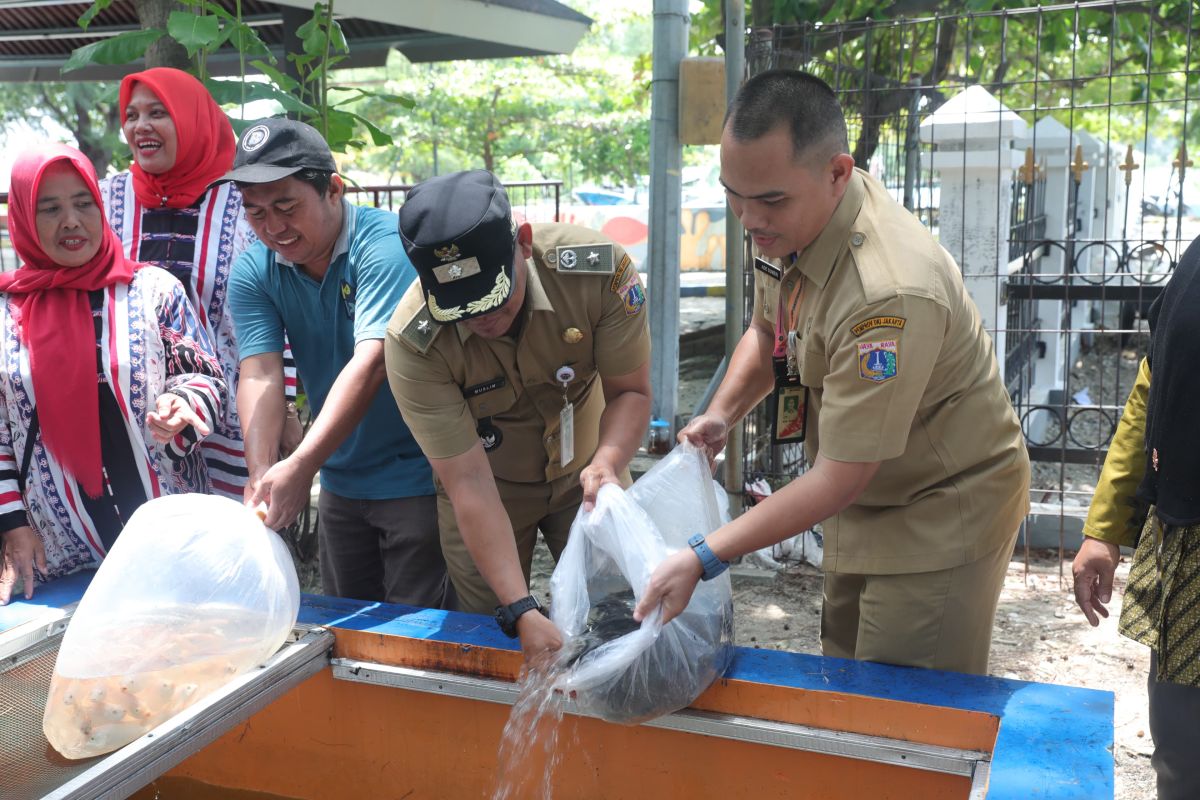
813,366
490,398
766,296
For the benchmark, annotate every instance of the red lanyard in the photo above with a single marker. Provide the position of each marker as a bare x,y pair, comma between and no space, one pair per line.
793,316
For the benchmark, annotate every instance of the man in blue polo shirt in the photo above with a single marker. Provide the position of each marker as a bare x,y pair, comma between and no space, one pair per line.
329,274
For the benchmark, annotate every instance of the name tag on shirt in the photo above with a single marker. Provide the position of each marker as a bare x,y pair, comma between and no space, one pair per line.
767,268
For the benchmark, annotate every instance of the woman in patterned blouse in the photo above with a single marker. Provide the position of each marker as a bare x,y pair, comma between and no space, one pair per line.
165,214
107,378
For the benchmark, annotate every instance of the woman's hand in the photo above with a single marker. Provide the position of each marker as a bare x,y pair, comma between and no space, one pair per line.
171,415
23,552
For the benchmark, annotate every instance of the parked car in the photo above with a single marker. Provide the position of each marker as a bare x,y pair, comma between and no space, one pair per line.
596,196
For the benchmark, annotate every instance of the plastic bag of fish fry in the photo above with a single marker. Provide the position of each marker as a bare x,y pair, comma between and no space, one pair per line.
618,669
195,592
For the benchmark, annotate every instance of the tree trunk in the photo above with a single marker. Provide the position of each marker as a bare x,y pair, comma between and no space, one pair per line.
762,13
166,52
74,112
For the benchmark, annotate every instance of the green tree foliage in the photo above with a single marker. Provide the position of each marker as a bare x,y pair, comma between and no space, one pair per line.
522,118
1121,72
202,27
89,110
582,117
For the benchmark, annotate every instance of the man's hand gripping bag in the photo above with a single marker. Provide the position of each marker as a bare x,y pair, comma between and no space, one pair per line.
195,592
617,669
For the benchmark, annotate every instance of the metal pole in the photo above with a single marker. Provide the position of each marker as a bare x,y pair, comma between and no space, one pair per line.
735,66
666,156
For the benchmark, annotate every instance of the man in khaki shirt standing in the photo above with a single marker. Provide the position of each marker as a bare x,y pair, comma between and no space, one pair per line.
873,354
521,365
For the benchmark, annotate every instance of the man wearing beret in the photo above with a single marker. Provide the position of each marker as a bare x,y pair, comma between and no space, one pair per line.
329,274
521,365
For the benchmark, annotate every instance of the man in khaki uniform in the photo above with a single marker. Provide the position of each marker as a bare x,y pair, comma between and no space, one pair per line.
521,365
875,355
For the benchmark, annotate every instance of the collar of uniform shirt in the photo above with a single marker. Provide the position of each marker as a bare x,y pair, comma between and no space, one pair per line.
818,259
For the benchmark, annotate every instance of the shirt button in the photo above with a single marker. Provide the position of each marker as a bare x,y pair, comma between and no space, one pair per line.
857,239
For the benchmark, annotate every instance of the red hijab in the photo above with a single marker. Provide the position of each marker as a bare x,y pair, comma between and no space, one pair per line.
204,140
55,319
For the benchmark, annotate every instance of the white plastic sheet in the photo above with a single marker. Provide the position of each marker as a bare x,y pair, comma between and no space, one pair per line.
195,592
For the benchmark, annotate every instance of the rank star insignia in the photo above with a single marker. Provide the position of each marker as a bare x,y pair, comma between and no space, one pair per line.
447,253
593,258
423,326
567,259
456,271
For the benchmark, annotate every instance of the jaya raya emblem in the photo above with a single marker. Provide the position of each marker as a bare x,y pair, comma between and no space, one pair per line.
877,361
447,253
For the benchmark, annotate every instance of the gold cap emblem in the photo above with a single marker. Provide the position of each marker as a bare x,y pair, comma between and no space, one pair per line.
572,335
447,253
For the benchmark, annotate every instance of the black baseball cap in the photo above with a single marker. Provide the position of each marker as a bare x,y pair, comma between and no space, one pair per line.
459,233
274,148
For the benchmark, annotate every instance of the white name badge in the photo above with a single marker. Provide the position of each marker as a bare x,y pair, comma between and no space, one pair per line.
566,435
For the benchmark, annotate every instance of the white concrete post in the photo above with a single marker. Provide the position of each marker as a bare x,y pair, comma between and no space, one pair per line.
1089,232
1051,142
978,144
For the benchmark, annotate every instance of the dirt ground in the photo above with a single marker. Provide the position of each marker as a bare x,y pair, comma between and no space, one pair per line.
1039,635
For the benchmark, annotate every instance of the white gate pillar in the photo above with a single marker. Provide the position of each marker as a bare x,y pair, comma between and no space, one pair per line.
978,144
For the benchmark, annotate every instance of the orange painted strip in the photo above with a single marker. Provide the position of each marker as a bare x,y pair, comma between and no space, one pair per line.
852,713
401,651
914,722
330,739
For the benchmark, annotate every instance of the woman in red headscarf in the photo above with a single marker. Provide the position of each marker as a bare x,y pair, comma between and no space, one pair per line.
107,378
165,214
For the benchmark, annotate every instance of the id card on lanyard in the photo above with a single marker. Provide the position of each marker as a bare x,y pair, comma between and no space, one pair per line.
789,402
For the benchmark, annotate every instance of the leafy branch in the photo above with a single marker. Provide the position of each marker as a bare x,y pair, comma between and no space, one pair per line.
207,26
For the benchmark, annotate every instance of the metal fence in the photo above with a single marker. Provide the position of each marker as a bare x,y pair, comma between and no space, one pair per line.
535,201
1047,149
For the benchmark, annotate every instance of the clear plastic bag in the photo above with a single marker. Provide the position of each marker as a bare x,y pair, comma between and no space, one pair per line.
195,592
617,669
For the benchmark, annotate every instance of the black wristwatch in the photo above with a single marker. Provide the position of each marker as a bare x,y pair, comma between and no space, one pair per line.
507,616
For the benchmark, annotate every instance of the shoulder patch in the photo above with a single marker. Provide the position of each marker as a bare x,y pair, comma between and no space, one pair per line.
618,278
877,322
585,259
421,330
878,361
632,293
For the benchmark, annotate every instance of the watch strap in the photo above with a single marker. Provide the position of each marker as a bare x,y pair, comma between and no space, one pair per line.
507,616
712,565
